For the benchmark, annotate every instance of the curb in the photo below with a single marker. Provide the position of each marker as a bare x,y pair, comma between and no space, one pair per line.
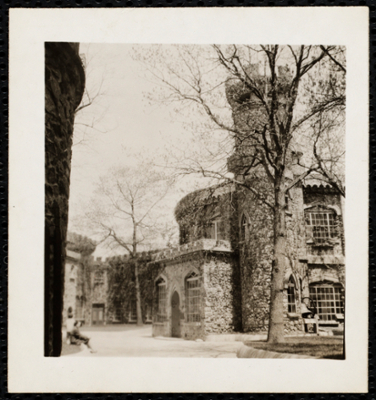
250,352
235,337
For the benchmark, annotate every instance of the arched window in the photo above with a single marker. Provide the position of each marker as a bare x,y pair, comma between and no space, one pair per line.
161,300
243,227
321,224
291,296
193,298
328,299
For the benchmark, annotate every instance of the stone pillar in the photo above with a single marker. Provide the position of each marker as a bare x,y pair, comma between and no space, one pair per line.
64,87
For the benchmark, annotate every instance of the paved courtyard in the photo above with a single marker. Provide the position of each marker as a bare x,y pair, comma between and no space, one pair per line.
133,341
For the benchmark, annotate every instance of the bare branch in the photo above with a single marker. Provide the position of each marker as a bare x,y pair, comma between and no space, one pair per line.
327,52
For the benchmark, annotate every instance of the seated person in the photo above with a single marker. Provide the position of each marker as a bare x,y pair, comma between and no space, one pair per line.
74,334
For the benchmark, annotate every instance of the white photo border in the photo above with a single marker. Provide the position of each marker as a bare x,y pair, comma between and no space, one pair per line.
28,370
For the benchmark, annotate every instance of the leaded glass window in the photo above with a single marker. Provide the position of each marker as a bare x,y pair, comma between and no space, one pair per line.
328,300
193,296
321,224
161,300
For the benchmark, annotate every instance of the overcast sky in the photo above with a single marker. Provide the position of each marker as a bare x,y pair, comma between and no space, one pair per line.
123,123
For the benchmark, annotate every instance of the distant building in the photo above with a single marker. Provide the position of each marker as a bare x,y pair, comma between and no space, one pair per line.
100,292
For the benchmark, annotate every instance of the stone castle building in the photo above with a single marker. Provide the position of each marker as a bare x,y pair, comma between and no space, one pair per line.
64,88
217,279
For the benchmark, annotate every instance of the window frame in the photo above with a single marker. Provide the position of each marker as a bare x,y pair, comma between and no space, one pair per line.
319,232
193,298
98,277
291,296
329,301
161,300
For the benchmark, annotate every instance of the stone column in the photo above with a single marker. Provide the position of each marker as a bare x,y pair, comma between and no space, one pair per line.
64,87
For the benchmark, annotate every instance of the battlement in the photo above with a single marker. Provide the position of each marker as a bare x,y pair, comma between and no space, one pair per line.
198,245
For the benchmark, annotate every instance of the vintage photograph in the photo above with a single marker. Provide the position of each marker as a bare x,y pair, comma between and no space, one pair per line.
195,200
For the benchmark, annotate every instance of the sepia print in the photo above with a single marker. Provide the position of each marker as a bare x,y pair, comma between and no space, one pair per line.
224,235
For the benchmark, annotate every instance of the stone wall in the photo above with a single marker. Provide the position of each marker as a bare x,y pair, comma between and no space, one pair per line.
70,287
256,252
222,294
64,87
197,213
174,272
219,289
326,196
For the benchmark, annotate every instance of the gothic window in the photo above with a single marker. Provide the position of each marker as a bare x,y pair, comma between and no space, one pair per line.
328,300
243,228
193,297
321,224
161,300
291,296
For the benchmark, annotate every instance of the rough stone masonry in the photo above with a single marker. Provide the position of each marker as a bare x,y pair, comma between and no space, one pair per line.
64,88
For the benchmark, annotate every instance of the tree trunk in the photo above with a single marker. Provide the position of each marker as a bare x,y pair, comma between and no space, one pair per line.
138,295
276,320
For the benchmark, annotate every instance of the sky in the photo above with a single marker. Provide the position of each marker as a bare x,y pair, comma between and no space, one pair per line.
120,122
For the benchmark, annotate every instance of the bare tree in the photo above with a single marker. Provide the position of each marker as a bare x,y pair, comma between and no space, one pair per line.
126,212
91,112
268,101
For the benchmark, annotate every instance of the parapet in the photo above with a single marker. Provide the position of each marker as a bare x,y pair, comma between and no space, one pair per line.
211,245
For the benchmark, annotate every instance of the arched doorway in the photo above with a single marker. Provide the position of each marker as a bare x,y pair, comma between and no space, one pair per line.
175,315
